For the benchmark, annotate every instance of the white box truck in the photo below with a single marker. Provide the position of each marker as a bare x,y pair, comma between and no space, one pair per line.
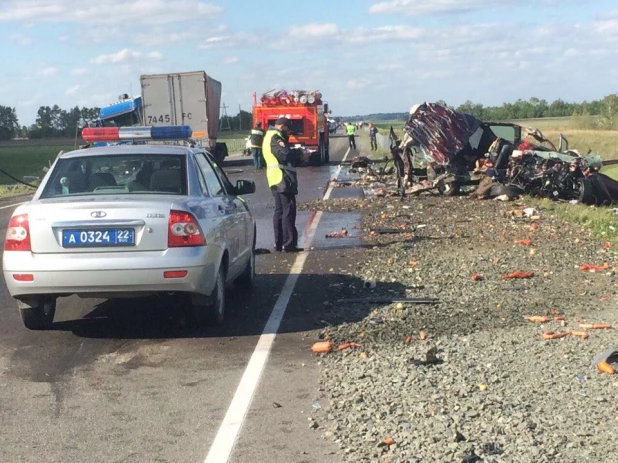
185,98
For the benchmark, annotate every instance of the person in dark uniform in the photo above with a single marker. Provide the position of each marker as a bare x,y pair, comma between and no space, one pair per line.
257,137
281,162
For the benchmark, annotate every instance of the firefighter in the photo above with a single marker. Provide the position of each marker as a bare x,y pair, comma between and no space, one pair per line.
257,137
281,162
351,130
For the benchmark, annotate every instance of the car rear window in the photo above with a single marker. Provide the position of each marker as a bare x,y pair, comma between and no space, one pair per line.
118,174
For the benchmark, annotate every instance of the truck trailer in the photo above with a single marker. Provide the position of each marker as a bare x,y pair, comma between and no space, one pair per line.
185,98
308,115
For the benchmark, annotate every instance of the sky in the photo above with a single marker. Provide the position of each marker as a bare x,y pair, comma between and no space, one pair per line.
365,56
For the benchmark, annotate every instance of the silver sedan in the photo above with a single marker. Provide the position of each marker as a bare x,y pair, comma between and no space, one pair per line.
125,221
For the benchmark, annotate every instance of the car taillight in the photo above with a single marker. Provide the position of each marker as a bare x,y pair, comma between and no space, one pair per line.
184,230
18,234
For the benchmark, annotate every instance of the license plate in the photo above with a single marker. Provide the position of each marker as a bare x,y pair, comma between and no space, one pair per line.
98,237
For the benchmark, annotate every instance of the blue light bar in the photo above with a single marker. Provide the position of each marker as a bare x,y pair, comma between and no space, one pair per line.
173,132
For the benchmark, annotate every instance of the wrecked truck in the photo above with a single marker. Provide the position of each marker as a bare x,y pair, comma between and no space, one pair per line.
450,144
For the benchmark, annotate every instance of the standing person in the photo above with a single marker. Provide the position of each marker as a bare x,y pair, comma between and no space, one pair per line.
351,130
281,163
257,137
373,133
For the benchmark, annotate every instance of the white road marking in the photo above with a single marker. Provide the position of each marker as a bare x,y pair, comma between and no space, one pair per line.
225,440
331,185
11,205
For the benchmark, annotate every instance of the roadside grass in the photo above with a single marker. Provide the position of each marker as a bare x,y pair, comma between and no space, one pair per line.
601,221
20,161
6,191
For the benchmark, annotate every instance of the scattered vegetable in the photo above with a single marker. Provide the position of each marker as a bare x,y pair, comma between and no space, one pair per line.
322,347
347,345
596,326
538,319
518,275
605,368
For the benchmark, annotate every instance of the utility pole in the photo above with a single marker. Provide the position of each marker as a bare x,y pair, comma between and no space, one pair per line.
239,118
224,117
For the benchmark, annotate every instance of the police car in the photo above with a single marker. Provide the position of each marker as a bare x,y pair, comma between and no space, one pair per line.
131,220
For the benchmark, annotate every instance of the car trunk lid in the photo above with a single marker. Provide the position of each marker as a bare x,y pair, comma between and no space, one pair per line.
98,225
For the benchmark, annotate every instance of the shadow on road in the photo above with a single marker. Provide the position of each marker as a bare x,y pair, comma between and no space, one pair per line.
314,305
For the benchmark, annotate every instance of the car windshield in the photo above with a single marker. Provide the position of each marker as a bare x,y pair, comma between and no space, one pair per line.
122,173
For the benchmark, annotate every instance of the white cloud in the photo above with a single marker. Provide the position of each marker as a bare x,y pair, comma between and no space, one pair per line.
358,84
314,30
48,71
423,7
72,90
125,55
229,41
63,38
21,39
230,60
108,12
79,71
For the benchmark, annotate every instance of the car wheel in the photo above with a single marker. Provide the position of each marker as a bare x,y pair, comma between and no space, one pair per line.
327,153
41,316
246,279
585,191
216,309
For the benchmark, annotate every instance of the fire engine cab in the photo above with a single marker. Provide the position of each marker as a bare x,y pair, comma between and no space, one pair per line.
309,120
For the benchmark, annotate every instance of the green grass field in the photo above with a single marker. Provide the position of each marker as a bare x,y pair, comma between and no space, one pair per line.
27,160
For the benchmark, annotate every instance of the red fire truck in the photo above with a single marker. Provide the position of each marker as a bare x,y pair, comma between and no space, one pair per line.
309,120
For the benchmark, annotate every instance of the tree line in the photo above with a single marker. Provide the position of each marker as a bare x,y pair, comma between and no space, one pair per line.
54,122
599,114
51,122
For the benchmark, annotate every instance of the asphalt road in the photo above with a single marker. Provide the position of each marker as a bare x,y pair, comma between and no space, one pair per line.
128,381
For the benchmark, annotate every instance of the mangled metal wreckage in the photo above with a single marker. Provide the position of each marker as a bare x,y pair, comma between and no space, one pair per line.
460,149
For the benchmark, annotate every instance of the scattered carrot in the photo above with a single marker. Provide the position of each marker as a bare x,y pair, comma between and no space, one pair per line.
347,345
422,335
534,226
363,355
322,347
593,268
596,326
517,275
549,335
526,242
607,245
477,277
391,261
386,442
409,339
559,318
538,319
605,368
580,334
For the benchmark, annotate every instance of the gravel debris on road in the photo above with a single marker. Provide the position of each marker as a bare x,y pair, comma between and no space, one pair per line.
471,378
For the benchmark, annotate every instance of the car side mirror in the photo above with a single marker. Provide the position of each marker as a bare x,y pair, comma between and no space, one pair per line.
245,187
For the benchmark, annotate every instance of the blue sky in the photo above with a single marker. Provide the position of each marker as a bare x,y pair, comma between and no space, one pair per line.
365,56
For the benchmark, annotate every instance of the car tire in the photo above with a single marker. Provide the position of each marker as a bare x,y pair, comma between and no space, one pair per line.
247,277
41,316
585,194
327,153
216,309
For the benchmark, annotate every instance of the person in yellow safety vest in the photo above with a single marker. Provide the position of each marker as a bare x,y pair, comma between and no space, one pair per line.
257,137
351,131
281,162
